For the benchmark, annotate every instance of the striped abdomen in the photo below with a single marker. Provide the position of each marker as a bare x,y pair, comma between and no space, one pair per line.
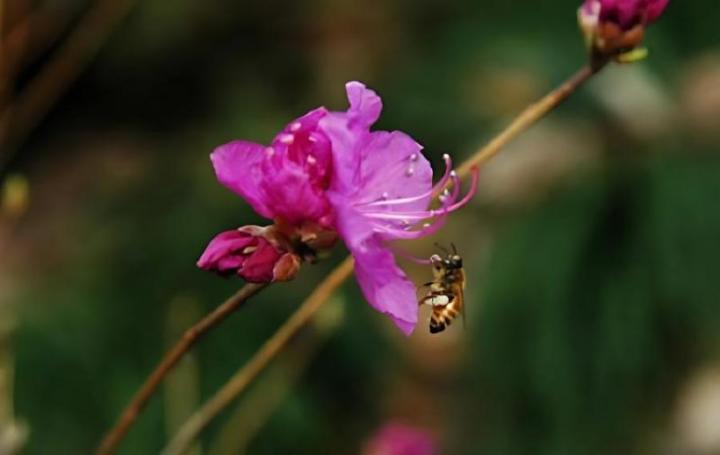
442,315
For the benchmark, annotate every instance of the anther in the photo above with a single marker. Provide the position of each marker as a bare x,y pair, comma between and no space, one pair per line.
295,127
410,171
311,160
287,139
414,157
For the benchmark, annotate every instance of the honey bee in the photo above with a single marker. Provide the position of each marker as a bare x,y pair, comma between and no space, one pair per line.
445,294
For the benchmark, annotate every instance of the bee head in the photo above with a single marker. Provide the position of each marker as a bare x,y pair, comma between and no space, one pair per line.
454,261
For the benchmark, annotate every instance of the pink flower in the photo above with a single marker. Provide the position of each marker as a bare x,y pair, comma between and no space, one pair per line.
618,26
286,180
381,189
400,439
327,172
246,252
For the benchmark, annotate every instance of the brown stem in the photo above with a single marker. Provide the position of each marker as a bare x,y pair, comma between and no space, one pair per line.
244,377
18,120
227,394
189,338
528,118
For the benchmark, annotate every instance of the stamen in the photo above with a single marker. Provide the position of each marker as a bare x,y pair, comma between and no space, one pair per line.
410,171
414,157
406,200
404,254
399,234
431,213
295,127
311,160
287,139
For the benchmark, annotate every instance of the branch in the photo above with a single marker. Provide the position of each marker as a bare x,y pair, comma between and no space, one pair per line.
528,118
188,340
17,121
245,375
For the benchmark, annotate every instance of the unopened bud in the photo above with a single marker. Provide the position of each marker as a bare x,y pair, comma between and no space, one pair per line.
251,253
614,29
286,267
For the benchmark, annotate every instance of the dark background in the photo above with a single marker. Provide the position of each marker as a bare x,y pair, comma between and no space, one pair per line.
591,250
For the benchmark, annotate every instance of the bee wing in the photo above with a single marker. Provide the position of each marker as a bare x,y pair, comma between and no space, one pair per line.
459,301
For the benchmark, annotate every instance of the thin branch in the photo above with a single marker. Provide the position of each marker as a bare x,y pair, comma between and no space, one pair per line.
188,340
227,394
245,375
32,35
528,118
18,120
261,402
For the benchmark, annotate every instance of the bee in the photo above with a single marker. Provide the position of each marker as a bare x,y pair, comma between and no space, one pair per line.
446,291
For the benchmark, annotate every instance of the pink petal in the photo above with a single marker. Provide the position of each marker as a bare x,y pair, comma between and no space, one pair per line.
385,285
393,167
218,253
396,438
655,9
365,105
258,268
292,194
237,166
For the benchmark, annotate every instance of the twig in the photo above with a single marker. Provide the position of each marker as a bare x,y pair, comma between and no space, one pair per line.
259,361
528,118
243,377
32,35
66,65
191,336
253,413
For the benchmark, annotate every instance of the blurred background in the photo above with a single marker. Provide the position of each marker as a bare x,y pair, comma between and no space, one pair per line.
591,251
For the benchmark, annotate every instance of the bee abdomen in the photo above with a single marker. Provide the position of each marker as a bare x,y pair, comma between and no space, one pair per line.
441,318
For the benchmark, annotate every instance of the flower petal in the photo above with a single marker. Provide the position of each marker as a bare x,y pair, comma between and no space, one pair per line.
393,167
219,252
291,193
349,132
385,285
655,9
365,105
258,268
237,166
352,225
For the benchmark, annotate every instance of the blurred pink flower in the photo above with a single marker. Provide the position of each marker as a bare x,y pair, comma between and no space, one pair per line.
400,439
618,26
326,171
247,253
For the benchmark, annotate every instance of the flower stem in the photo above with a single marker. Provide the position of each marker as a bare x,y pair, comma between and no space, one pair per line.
189,338
246,374
63,68
243,377
528,118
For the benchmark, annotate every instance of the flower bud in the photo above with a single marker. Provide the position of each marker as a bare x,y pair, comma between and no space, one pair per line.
286,267
251,253
616,28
